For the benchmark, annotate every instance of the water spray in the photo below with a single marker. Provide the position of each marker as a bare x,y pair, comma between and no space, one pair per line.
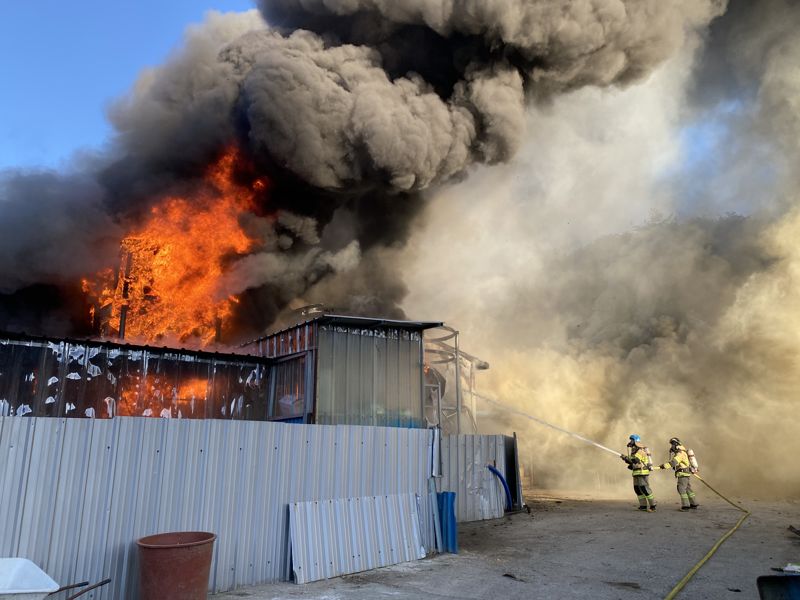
546,424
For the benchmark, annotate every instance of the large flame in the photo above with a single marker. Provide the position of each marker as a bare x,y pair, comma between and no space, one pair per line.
167,286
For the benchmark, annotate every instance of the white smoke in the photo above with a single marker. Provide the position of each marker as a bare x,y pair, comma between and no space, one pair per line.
608,301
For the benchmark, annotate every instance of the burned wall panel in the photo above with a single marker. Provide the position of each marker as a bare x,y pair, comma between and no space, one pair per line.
93,379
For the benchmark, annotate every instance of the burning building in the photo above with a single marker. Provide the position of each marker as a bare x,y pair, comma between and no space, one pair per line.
167,286
330,369
345,370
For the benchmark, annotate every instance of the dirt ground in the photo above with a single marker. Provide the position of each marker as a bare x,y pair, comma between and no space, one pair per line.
580,548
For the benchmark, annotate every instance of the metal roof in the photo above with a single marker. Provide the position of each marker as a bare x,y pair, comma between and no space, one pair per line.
24,337
371,322
353,321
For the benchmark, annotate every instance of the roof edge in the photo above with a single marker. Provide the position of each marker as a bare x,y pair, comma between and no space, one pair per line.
366,322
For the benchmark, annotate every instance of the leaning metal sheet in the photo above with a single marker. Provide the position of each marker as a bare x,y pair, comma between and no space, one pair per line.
347,535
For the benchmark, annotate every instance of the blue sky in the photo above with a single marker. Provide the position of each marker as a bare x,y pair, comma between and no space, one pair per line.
62,62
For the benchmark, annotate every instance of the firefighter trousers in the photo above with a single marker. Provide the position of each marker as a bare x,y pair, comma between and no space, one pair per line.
685,492
641,485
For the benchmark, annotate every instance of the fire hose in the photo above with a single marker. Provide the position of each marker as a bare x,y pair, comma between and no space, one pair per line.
546,424
682,583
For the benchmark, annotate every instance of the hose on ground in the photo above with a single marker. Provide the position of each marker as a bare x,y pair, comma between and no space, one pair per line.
682,583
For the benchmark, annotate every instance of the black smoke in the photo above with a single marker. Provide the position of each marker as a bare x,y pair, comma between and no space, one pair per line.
354,110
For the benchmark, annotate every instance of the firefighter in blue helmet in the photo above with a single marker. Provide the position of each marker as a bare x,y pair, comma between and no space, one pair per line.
638,461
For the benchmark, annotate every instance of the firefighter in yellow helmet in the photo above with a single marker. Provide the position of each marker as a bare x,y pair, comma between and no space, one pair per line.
638,460
681,463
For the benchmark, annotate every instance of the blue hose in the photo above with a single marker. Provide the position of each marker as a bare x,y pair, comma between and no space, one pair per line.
502,479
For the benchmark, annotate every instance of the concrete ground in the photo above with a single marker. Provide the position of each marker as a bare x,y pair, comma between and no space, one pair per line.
580,548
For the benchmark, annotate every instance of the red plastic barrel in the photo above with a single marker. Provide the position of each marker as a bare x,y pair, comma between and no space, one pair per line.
175,565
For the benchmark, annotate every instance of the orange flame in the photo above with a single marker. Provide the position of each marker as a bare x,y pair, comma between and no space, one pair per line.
168,280
155,397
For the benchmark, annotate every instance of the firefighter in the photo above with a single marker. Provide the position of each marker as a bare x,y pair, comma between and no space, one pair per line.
639,463
681,462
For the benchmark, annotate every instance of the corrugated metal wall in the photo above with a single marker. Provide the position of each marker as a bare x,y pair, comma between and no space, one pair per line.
76,493
479,494
370,377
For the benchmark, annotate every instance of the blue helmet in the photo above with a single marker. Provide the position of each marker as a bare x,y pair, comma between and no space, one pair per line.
634,438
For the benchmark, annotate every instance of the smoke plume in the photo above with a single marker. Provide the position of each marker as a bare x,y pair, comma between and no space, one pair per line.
355,111
635,268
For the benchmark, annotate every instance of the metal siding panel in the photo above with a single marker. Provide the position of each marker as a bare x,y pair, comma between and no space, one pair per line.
366,386
121,565
274,491
392,383
245,507
347,535
404,393
467,458
412,385
325,377
35,531
226,456
258,515
17,438
351,401
379,381
95,508
479,495
361,461
463,475
338,378
254,554
69,501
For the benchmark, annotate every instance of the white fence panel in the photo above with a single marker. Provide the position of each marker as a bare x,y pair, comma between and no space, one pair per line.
479,494
75,494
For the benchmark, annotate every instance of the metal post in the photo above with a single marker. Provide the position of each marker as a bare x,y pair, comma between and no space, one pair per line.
439,405
422,387
459,399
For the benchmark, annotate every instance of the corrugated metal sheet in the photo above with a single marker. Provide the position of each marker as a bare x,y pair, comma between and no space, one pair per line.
76,493
479,494
295,339
369,377
68,378
348,535
301,337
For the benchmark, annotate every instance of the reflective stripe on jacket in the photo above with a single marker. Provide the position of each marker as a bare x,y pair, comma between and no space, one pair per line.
640,462
679,462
